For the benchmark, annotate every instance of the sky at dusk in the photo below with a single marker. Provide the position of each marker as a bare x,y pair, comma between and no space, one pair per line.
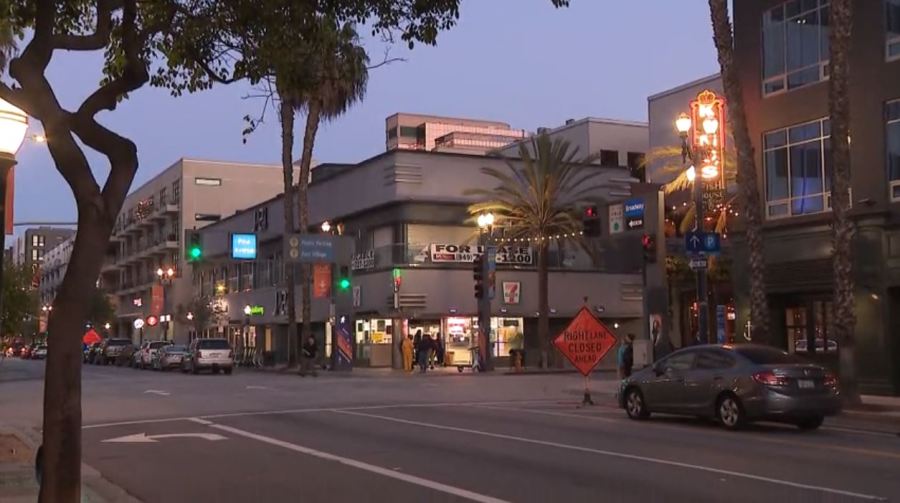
517,61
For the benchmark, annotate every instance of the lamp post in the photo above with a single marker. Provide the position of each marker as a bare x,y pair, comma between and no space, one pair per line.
486,231
13,126
165,275
703,146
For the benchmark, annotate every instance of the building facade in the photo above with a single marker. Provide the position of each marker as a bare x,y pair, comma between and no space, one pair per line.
149,237
32,246
406,212
56,261
429,132
782,50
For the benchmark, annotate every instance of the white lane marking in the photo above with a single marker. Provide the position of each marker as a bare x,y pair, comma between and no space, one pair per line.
200,421
306,410
386,472
620,455
157,392
257,387
143,438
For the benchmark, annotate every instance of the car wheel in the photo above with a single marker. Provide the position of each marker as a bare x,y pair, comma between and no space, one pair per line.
634,404
730,412
810,423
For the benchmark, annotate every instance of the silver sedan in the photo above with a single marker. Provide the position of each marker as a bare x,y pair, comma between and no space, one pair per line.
734,384
168,357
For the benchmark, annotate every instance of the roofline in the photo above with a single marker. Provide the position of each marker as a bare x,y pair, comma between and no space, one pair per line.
182,160
432,116
682,87
596,120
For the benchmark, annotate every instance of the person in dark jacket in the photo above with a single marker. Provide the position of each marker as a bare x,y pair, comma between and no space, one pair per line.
439,350
625,356
425,349
308,358
417,345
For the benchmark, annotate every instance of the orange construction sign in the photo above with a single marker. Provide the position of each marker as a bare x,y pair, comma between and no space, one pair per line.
585,341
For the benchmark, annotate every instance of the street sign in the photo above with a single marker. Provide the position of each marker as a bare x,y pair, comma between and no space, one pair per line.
634,214
698,263
585,341
491,266
616,218
138,323
702,242
152,320
309,248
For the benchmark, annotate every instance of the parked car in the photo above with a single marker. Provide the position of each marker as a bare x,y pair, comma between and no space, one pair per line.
211,354
39,352
135,361
126,355
169,357
109,350
734,384
148,351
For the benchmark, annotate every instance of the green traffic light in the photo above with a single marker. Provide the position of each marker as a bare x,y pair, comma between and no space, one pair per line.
196,252
344,283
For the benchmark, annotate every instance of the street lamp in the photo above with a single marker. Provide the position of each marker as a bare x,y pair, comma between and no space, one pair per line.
486,229
485,220
326,227
13,126
248,310
704,146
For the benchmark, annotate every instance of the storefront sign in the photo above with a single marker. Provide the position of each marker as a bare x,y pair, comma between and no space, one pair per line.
257,311
448,253
363,261
309,248
343,357
585,341
152,321
512,292
616,218
321,281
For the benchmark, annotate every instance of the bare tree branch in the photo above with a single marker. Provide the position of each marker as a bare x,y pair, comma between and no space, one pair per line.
387,60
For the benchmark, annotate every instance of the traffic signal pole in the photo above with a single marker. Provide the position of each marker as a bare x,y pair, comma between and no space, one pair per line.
484,302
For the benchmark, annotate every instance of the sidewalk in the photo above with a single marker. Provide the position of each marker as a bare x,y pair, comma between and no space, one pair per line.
376,372
17,478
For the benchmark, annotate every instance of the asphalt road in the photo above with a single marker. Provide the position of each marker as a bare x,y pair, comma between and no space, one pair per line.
169,437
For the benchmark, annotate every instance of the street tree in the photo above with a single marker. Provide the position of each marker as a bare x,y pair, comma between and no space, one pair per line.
198,313
842,227
20,301
537,198
101,308
748,188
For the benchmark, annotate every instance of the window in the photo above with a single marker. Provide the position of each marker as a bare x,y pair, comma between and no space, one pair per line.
34,254
714,360
680,361
392,133
797,164
892,137
609,158
34,240
209,182
892,28
409,132
795,45
176,191
207,217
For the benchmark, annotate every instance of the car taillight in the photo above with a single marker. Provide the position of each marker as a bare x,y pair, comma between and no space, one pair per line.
769,378
831,380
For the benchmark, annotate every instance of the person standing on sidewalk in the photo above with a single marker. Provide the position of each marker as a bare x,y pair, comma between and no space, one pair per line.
625,356
406,348
425,348
308,361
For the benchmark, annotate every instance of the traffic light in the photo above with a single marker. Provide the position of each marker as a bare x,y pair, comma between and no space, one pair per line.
344,279
648,243
193,246
478,276
591,222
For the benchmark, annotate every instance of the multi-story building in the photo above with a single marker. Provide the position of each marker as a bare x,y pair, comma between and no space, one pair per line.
407,213
428,132
33,245
56,261
613,142
782,54
149,236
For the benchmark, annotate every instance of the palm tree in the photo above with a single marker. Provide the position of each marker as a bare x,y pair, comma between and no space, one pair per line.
337,76
748,189
537,198
844,322
7,44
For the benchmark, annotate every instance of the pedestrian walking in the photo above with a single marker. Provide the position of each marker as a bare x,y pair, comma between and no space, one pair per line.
425,349
625,356
439,350
406,348
417,346
307,362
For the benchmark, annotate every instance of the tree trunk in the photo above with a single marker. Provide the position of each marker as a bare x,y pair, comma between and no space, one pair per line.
748,188
844,320
287,166
61,449
309,138
544,303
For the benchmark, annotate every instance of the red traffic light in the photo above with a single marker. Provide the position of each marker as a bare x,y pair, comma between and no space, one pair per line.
590,212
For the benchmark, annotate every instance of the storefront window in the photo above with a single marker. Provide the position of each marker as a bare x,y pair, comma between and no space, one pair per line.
373,341
507,334
800,332
459,337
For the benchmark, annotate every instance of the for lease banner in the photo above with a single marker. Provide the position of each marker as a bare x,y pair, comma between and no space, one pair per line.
516,255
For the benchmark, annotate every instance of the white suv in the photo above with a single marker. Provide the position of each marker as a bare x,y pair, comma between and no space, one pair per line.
212,354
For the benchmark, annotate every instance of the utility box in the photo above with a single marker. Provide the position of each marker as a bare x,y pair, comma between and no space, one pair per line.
642,353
